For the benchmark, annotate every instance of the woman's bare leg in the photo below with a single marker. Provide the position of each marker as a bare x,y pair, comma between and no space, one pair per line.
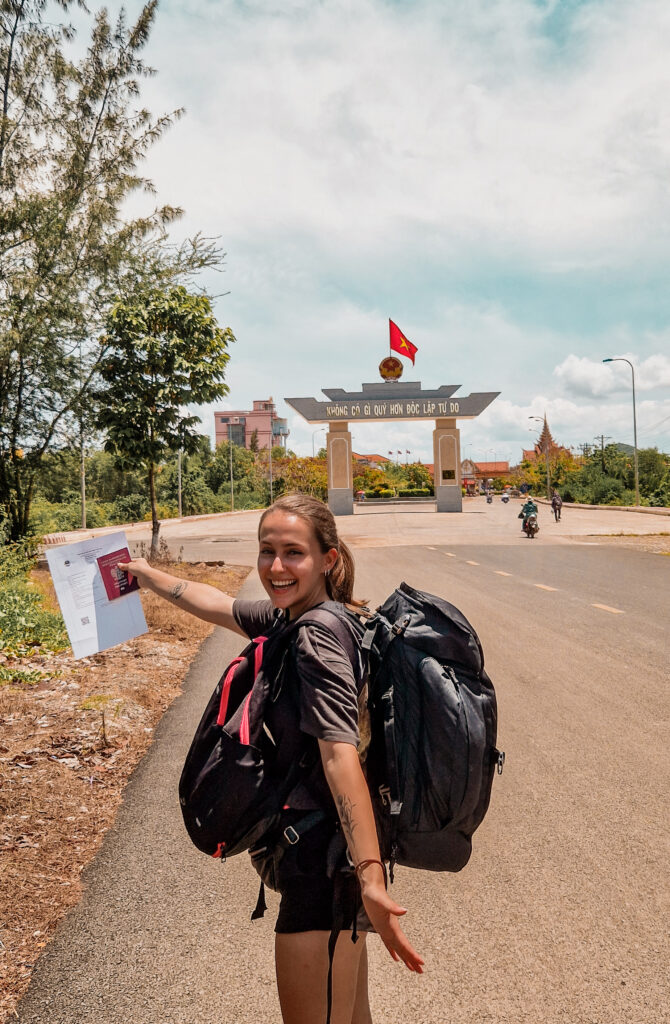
361,1014
302,976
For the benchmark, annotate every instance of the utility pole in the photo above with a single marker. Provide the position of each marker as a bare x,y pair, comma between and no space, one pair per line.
586,449
82,472
621,359
602,438
230,466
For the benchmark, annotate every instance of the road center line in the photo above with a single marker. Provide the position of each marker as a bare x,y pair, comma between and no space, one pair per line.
543,586
468,562
430,549
606,608
499,572
450,554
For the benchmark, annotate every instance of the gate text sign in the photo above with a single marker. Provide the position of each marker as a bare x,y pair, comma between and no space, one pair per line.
392,401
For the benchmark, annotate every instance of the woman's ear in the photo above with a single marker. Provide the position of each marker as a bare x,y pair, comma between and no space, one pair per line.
330,559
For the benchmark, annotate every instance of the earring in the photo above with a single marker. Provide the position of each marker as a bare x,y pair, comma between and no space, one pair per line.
326,572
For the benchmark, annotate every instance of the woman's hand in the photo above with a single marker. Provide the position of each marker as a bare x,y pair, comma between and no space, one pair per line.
136,567
384,913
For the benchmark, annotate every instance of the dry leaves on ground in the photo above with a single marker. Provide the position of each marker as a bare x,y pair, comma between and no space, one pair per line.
68,745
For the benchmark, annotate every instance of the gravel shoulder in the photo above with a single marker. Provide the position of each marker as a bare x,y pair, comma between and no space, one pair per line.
69,744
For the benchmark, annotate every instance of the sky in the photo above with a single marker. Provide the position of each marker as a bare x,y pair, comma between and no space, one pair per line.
493,175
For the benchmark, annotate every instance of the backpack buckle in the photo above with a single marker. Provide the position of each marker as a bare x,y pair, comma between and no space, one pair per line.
385,794
399,627
500,762
290,835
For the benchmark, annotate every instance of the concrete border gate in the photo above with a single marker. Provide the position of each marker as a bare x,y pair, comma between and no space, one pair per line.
392,401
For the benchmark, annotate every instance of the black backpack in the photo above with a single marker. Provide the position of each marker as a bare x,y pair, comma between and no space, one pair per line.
229,796
433,722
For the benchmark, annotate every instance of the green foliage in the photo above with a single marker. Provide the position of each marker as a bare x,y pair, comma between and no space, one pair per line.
165,350
415,492
72,136
25,626
130,508
253,442
217,472
307,475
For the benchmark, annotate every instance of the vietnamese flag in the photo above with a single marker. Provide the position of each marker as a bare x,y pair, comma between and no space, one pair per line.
399,343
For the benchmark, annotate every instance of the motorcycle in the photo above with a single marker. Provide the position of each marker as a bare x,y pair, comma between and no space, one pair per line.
531,526
489,499
504,498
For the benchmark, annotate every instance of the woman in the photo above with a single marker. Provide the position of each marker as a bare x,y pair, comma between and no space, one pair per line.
302,563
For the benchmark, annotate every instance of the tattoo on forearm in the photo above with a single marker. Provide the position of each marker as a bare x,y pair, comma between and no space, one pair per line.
178,590
346,811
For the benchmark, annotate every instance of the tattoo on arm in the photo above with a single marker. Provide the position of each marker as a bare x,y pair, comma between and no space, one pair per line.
346,811
178,590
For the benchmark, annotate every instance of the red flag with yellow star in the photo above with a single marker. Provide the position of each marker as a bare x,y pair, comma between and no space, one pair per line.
399,343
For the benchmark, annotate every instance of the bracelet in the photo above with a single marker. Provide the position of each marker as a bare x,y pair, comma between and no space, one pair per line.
372,860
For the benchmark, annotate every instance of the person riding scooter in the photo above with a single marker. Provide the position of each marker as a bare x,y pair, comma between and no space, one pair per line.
529,508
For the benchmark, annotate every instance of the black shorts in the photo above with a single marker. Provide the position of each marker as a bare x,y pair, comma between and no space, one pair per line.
299,874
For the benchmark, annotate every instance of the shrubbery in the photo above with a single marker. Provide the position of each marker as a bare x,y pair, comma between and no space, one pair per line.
25,625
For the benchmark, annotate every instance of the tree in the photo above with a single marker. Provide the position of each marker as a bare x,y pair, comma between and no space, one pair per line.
164,350
71,138
253,441
217,473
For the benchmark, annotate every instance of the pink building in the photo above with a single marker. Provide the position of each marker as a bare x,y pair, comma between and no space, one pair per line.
240,424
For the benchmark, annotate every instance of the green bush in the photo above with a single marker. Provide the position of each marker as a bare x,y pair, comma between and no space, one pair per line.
24,623
130,508
415,492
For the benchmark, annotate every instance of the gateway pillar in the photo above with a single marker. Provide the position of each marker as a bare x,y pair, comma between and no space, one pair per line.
340,480
447,461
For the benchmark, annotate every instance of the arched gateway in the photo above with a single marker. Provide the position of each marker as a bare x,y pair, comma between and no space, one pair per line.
393,400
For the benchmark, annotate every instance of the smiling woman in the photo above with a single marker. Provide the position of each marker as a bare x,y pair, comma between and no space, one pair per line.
329,873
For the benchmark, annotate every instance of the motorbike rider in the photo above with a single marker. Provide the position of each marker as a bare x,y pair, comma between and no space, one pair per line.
529,508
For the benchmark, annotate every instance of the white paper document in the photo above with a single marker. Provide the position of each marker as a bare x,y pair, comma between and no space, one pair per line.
100,606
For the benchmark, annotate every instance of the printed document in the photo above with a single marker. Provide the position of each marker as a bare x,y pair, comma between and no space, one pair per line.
100,605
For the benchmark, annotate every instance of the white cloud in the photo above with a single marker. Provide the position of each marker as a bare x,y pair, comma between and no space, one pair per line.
595,378
367,124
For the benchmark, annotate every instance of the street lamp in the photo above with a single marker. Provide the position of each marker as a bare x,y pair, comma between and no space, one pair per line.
620,359
546,455
319,430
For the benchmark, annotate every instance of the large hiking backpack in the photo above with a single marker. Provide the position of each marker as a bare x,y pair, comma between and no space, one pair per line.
433,721
229,795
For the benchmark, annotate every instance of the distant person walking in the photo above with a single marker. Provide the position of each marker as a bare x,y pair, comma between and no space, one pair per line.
556,505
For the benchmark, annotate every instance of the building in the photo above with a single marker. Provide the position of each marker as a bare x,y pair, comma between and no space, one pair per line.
371,461
545,445
239,425
474,474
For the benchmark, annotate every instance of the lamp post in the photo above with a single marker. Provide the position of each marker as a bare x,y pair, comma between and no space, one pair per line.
620,359
230,468
319,430
546,455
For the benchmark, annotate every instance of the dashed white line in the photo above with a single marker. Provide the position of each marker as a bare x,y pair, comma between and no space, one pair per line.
606,608
499,572
468,562
449,554
543,586
430,549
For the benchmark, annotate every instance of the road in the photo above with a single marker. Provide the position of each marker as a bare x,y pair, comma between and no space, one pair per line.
561,915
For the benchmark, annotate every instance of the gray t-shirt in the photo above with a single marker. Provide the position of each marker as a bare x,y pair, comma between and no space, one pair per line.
326,692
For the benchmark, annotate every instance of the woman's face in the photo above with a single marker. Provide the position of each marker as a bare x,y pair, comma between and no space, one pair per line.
291,564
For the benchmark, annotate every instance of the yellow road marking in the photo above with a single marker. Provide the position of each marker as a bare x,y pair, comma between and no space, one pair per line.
606,608
542,586
499,572
468,562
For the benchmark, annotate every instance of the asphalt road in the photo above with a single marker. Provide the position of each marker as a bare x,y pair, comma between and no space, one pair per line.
562,914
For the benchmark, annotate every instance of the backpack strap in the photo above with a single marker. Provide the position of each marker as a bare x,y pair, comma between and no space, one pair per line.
379,633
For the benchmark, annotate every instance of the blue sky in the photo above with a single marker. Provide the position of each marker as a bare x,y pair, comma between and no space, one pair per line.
493,175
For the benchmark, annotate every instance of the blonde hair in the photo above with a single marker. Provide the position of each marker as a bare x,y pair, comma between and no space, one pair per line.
340,579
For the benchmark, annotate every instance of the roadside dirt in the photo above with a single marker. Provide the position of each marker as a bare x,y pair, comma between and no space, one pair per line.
656,543
68,744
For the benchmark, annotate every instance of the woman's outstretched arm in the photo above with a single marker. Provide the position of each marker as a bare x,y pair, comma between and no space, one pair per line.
352,799
199,599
